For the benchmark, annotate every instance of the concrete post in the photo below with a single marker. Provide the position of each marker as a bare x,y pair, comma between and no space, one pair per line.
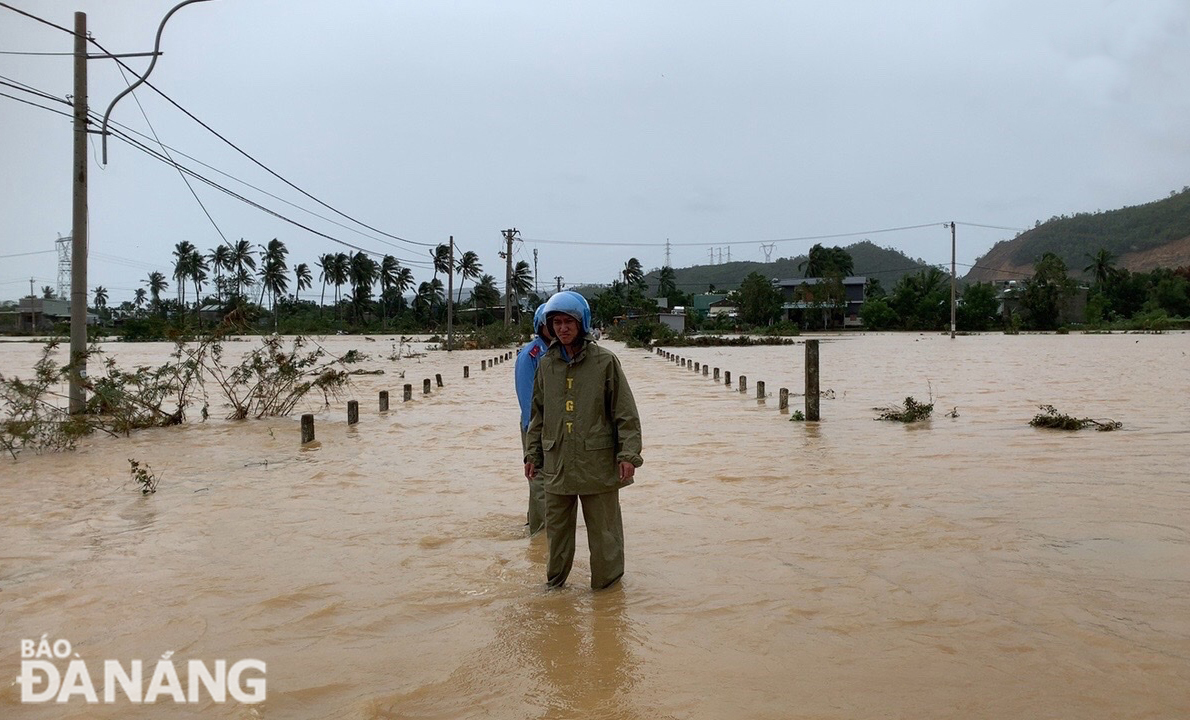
384,401
352,412
783,403
812,380
425,386
466,371
408,392
727,378
743,383
760,389
307,428
438,379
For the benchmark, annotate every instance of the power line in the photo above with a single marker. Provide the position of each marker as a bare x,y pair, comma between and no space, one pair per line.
166,153
18,85
35,252
254,187
29,102
38,19
260,164
18,52
154,154
753,242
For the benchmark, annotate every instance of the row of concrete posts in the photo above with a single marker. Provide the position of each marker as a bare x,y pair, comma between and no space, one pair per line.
812,394
353,405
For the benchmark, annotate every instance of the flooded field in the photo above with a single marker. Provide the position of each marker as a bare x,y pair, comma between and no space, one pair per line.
967,567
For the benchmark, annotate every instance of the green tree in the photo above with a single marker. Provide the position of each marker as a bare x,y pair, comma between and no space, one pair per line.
484,295
363,272
47,292
138,299
759,302
220,258
183,260
441,258
922,300
100,296
980,309
876,314
1045,293
240,262
274,272
823,262
666,282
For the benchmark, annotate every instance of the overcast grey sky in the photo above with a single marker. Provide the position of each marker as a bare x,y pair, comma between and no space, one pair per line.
711,124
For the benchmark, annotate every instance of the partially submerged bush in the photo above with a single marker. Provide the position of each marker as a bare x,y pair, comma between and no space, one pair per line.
1049,417
143,476
271,380
912,411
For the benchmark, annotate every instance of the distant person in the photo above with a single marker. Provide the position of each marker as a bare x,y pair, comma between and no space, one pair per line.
523,371
584,436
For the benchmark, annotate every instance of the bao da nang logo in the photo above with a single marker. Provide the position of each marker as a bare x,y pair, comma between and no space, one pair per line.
52,672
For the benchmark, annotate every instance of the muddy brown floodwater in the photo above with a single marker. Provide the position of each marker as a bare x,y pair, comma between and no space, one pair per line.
969,567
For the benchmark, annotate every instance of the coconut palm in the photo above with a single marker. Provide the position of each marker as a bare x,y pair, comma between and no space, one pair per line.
485,294
100,296
157,284
633,272
667,282
301,273
324,263
138,299
441,257
362,272
1102,267
47,292
522,281
273,270
468,267
239,263
390,269
219,257
183,258
197,267
340,266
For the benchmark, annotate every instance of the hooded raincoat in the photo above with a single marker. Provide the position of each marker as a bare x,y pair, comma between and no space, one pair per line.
583,420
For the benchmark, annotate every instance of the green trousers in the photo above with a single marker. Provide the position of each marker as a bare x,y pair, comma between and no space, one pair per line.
605,536
536,504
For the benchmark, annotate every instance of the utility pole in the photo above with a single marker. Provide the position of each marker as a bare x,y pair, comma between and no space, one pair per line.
953,281
536,284
450,305
78,248
556,277
728,253
667,252
508,238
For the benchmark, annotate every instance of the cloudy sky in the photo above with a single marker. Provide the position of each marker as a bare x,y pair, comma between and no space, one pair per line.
599,130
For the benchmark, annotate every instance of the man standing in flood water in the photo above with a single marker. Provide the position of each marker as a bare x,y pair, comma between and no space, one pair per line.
524,372
584,435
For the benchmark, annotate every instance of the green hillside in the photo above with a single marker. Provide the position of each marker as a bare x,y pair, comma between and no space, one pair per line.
1127,230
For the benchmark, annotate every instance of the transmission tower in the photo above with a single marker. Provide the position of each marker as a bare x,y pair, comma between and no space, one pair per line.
768,251
63,244
667,253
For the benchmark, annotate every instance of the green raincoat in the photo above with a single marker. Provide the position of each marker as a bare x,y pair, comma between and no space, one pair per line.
583,422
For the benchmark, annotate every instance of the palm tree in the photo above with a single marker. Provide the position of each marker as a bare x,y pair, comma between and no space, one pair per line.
100,296
339,274
157,284
197,267
1102,266
273,270
47,292
301,273
485,294
220,257
441,257
633,272
183,257
522,282
240,261
666,282
325,263
468,266
389,270
138,298
362,271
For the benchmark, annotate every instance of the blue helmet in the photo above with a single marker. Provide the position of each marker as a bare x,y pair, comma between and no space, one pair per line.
572,304
539,319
